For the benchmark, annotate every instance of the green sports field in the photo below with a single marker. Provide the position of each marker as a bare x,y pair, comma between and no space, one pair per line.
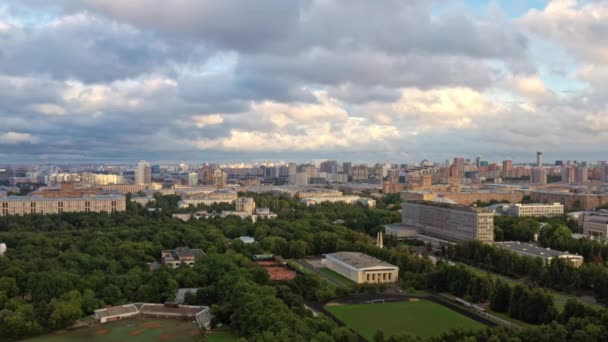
421,318
133,329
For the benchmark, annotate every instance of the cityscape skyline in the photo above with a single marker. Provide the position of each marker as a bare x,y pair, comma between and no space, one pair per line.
298,80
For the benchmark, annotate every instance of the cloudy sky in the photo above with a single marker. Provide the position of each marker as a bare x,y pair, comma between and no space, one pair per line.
387,80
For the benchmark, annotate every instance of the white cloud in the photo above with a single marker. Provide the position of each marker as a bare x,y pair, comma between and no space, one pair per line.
582,26
201,121
13,138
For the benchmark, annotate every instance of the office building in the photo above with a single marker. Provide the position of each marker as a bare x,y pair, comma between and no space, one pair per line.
23,205
539,159
362,268
538,210
449,221
545,254
182,255
595,224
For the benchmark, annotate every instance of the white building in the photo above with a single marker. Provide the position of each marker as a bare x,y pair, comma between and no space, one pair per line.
538,210
362,268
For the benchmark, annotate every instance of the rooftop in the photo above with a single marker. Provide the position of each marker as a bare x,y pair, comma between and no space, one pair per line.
116,310
450,206
56,199
184,253
359,260
531,250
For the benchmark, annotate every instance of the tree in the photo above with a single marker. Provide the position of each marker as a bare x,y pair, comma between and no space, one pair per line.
501,296
379,336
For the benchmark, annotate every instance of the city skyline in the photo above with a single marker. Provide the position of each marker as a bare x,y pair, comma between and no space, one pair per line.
302,80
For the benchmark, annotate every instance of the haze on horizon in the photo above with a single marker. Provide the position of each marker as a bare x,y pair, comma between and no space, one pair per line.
229,80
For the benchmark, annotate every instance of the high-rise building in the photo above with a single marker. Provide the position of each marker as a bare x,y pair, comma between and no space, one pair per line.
347,167
539,175
329,166
219,178
582,174
568,174
292,171
458,170
360,172
539,159
193,178
602,167
143,174
507,166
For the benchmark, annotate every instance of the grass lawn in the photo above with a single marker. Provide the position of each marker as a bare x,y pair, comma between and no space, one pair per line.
134,329
421,318
337,276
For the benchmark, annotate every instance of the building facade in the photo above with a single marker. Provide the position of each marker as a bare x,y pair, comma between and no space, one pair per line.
143,173
362,268
538,210
595,225
449,222
23,205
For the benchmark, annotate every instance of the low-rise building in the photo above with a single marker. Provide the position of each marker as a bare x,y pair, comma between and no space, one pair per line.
595,224
538,210
362,268
219,196
181,255
201,314
367,202
546,254
116,313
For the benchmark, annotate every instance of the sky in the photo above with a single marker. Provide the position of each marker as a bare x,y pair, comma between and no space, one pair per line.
370,81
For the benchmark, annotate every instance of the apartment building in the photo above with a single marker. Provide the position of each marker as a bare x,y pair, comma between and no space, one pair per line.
22,205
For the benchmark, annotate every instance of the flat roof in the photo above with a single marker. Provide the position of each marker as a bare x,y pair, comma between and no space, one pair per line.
116,310
450,206
531,250
61,199
359,260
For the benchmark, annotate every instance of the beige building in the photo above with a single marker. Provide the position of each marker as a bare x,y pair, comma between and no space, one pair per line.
131,188
245,204
449,221
538,210
22,205
362,268
100,178
595,225
219,196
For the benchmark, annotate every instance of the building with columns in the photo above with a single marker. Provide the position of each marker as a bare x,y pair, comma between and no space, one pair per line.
362,268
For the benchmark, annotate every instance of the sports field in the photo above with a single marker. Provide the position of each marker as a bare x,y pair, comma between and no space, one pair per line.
133,329
421,318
